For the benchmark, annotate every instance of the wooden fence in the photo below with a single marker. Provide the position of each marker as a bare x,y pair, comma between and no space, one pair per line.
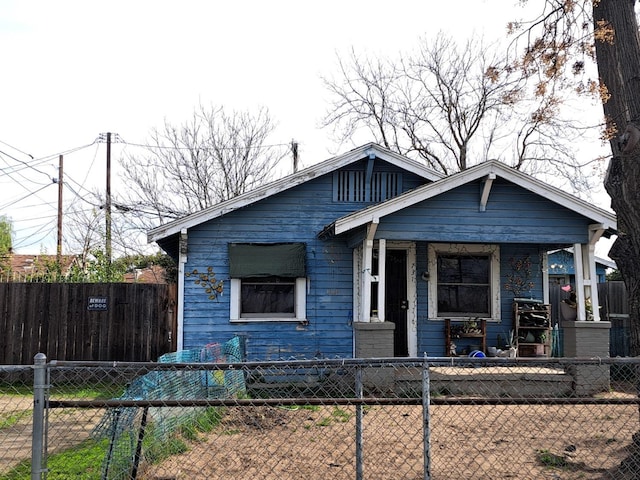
86,321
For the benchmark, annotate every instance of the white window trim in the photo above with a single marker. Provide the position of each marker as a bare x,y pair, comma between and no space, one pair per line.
300,305
446,248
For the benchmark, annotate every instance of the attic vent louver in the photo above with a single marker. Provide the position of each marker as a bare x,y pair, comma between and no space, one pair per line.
351,186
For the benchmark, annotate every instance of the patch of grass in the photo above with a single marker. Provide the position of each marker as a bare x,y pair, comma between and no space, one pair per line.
83,462
10,419
100,391
21,390
341,415
551,459
97,392
312,408
325,422
155,452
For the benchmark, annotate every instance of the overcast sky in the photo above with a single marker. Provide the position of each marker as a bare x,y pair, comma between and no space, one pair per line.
74,69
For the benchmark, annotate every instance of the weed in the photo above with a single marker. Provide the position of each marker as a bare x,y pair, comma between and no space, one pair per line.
551,459
11,419
341,415
325,422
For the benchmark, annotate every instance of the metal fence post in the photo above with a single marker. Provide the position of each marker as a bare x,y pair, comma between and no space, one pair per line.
359,452
39,398
426,417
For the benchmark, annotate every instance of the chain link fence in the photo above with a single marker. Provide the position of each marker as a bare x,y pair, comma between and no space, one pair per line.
205,415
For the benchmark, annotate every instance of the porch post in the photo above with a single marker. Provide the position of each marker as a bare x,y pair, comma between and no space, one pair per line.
595,232
382,257
367,257
578,263
182,260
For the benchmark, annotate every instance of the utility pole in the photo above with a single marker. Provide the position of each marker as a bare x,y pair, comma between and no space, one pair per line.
294,151
108,204
59,246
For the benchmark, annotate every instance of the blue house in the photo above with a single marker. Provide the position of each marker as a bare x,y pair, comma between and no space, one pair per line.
367,254
562,267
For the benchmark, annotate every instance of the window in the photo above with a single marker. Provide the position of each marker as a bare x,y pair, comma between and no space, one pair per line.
464,281
268,296
268,281
351,186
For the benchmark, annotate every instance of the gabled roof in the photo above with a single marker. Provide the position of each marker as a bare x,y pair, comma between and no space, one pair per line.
488,170
291,181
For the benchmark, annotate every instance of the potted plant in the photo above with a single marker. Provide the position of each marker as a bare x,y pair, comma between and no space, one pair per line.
569,306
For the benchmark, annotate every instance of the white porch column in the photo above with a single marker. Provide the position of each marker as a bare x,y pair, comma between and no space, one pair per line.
382,257
182,260
595,232
545,277
367,260
578,262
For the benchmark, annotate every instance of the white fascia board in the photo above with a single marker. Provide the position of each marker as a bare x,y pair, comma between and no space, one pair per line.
599,215
291,181
400,202
492,167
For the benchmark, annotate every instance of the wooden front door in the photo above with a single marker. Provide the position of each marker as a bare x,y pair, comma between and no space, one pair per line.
396,303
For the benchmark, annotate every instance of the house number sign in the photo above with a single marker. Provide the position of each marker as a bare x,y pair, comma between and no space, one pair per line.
97,304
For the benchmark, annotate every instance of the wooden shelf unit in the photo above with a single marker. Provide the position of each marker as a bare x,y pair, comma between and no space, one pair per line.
449,336
532,328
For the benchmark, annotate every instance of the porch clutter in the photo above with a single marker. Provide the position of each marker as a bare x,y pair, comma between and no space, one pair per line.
532,322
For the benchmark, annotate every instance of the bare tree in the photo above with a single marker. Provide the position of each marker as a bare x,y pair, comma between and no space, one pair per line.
558,46
455,107
213,157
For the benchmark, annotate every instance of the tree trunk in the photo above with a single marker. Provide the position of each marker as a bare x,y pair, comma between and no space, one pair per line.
619,71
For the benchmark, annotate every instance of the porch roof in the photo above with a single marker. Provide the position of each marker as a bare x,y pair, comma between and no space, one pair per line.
487,171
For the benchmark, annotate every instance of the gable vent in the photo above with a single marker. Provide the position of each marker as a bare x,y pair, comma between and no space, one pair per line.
351,186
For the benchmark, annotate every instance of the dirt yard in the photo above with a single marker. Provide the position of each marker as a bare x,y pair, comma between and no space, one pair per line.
467,442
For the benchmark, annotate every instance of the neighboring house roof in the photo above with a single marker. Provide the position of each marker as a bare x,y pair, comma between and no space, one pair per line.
488,171
291,181
33,264
152,274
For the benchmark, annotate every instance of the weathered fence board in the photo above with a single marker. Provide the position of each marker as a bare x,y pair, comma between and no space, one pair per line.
131,322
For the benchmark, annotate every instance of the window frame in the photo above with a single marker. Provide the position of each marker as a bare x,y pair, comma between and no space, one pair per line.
490,250
300,305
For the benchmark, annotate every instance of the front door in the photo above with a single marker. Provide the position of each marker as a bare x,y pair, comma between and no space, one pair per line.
396,303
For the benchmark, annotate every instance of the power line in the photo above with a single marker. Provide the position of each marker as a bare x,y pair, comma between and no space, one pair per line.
39,230
66,152
167,147
24,163
25,197
16,149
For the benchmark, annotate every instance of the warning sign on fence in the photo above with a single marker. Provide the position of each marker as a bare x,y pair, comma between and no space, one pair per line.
97,303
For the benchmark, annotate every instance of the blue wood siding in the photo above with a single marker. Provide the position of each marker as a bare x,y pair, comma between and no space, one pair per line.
522,223
513,215
295,215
